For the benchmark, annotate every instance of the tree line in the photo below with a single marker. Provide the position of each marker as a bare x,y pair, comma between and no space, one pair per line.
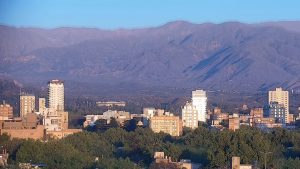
133,147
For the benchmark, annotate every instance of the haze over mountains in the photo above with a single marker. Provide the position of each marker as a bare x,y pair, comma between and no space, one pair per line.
228,56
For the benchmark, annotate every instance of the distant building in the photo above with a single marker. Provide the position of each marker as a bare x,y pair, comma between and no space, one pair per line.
139,118
199,100
183,163
148,112
55,120
6,111
90,119
291,118
25,127
167,123
48,122
234,122
120,116
56,95
56,124
42,104
189,116
218,116
27,104
257,112
111,103
277,111
282,97
263,123
236,164
217,110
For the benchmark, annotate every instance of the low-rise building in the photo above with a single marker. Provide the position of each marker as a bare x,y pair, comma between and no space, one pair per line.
266,123
234,122
26,127
182,164
6,111
111,103
120,116
167,123
55,120
91,119
236,164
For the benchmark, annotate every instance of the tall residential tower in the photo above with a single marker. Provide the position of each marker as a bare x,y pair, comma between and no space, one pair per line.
281,97
199,100
56,95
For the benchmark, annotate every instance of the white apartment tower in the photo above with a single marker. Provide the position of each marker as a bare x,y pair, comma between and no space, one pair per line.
282,97
190,116
56,95
199,100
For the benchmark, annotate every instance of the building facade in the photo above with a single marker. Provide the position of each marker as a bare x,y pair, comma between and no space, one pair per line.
281,97
276,111
6,111
55,120
42,104
27,104
56,95
167,123
189,116
234,122
199,100
24,127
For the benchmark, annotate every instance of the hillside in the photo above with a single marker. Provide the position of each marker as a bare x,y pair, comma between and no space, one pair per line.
228,56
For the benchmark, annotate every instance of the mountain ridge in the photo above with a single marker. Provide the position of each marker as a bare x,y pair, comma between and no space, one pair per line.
230,55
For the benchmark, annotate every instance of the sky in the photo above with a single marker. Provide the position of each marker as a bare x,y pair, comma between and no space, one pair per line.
115,14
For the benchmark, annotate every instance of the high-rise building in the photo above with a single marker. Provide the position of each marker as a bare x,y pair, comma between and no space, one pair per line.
56,95
42,104
282,97
190,116
199,100
27,104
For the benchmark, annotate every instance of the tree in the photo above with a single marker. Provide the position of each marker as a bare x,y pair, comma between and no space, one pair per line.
113,123
130,125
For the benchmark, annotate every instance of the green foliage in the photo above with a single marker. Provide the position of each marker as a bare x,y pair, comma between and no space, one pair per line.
55,154
117,148
130,125
112,163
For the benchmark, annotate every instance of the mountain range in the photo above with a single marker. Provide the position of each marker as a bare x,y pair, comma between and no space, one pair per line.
228,56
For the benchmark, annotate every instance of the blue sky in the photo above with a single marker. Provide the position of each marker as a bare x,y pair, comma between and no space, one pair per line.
114,14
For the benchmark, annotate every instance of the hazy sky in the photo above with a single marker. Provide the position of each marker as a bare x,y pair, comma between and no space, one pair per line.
112,14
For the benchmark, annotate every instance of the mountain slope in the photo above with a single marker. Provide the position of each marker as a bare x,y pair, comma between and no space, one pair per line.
231,56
